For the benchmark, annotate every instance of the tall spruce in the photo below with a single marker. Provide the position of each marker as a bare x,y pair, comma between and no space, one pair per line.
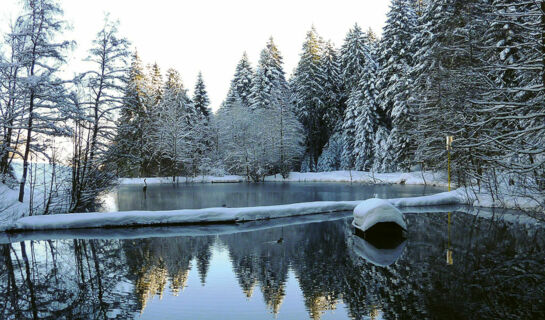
308,88
269,83
354,52
395,59
241,85
200,97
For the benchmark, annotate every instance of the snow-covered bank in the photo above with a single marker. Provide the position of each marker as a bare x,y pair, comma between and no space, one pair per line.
209,215
197,179
217,215
417,177
194,230
186,216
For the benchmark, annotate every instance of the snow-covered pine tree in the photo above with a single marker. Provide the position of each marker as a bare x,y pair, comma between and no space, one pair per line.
307,86
354,52
395,59
200,97
241,85
333,95
368,118
269,82
330,159
353,55
129,140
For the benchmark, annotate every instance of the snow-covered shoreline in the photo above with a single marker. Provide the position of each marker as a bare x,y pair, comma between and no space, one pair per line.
461,196
210,215
412,178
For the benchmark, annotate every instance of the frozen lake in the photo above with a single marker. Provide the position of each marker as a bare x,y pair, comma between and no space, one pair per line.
451,266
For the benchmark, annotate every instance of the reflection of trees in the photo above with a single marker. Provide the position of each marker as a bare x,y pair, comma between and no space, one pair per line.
498,271
155,262
56,280
258,258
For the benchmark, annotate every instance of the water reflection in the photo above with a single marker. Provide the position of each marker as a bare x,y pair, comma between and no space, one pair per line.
316,271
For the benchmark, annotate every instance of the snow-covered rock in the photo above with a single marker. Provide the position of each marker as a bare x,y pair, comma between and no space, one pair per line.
372,211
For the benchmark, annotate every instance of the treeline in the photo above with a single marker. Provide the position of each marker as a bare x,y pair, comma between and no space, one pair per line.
161,131
471,69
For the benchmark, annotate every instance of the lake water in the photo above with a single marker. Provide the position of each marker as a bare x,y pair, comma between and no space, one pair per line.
198,195
452,266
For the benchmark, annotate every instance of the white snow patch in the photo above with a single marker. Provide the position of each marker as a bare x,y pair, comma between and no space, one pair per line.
372,211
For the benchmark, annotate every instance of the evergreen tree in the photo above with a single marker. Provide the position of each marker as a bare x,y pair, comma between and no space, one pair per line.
241,85
333,95
396,58
368,118
129,140
200,97
307,86
269,83
354,52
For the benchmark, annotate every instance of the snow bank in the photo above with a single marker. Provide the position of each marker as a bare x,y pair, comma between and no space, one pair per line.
194,230
197,179
198,216
431,178
417,177
10,208
188,216
372,211
216,215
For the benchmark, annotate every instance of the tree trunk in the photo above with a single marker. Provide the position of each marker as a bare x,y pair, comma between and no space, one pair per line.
27,148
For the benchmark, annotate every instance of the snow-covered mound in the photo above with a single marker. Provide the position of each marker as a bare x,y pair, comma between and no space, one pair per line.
372,211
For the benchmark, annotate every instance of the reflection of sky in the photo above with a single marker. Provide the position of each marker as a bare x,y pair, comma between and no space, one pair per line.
222,298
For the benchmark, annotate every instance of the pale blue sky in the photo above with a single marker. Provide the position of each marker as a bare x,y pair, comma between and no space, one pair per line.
210,35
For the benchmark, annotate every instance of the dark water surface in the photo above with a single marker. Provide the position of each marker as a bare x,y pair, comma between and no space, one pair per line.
452,266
